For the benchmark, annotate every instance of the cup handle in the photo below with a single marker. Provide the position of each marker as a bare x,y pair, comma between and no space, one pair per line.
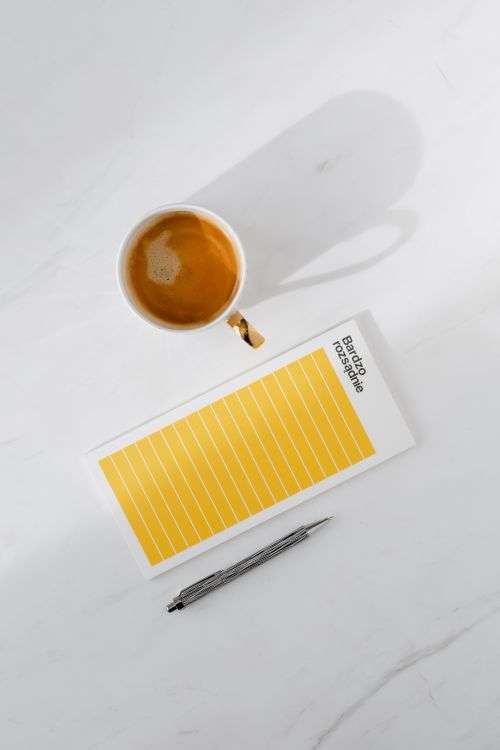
245,330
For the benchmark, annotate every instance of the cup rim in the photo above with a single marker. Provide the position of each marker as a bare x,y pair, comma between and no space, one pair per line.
168,208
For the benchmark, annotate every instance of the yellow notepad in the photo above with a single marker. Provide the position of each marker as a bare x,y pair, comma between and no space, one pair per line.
249,449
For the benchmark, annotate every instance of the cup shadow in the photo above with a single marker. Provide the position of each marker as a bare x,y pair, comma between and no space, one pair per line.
331,176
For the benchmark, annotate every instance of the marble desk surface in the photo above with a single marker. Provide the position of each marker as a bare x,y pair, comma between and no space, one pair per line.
355,145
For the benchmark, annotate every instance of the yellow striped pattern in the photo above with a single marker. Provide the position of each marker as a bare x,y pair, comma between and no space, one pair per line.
237,456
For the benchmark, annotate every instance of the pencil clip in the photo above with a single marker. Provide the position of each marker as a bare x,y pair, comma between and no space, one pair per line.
197,584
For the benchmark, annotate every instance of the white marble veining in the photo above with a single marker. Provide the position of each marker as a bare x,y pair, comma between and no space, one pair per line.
355,147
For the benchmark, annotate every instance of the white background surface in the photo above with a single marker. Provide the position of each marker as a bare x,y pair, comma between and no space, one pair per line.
355,147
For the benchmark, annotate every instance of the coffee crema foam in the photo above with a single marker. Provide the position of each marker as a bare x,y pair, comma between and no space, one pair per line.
163,264
182,269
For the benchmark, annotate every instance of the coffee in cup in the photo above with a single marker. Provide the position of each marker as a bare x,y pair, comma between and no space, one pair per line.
183,267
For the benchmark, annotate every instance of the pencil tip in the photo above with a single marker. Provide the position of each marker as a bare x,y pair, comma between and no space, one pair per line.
315,524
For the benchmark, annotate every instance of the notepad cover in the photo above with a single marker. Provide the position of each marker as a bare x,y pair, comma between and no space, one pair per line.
249,449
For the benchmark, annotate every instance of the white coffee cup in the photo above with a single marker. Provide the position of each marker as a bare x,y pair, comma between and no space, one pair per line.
230,314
